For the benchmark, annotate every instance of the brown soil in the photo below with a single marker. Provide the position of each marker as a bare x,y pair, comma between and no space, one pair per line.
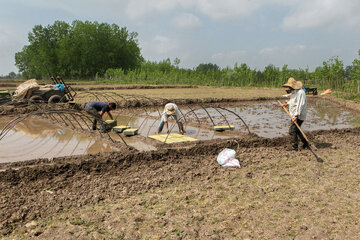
117,87
276,194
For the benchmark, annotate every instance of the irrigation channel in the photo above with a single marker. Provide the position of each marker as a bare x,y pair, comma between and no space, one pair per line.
47,131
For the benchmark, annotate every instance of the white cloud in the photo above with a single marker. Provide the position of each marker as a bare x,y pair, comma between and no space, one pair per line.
227,9
159,48
323,13
216,9
229,58
141,8
164,44
296,56
276,51
186,21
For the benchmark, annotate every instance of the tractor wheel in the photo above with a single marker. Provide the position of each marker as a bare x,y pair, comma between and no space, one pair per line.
54,99
35,99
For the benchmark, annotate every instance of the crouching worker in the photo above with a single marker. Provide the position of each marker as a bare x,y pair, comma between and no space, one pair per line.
97,110
297,108
171,109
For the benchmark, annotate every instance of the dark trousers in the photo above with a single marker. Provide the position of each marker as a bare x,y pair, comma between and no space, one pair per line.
295,132
97,118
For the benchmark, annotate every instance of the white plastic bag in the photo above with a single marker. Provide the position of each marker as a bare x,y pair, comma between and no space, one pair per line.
226,158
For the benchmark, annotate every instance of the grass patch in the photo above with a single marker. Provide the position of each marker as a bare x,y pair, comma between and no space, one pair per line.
80,222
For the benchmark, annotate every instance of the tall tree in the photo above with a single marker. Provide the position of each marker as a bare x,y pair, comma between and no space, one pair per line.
79,50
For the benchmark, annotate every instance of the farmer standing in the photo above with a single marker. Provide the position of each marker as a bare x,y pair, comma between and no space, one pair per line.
97,110
171,109
297,108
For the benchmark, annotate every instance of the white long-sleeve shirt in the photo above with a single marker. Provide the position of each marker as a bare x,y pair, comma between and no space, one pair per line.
297,104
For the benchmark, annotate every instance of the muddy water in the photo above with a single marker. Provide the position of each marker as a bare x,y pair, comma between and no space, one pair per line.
37,138
149,126
268,119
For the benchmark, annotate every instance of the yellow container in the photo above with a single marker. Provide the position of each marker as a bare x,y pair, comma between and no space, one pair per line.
223,128
130,131
120,128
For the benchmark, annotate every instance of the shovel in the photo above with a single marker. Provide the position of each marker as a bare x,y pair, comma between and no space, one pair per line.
302,132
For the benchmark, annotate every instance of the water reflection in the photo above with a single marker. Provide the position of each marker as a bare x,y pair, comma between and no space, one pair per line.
268,119
37,138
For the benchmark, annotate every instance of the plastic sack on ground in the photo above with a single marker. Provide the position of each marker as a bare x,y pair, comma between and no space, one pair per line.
25,89
226,158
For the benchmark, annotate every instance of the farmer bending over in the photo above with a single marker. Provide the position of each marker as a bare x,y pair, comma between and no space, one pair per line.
97,110
297,108
170,110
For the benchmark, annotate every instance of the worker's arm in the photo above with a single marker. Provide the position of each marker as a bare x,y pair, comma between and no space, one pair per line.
167,128
101,113
111,117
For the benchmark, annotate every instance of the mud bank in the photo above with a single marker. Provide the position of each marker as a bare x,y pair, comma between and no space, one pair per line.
130,87
131,103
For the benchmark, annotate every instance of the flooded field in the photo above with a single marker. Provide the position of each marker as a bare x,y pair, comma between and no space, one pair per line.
268,119
39,138
36,138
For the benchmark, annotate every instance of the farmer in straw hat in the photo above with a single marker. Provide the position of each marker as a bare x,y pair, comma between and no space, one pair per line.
297,108
171,109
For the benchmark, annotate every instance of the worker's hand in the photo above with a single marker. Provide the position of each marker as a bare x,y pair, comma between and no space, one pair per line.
168,131
284,105
295,119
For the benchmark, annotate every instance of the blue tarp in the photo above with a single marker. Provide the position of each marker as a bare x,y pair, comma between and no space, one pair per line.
60,86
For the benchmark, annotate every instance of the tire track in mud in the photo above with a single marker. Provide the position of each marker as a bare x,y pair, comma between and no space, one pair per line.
40,188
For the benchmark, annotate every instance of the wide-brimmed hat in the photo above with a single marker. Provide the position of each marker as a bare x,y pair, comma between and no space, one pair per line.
293,83
170,110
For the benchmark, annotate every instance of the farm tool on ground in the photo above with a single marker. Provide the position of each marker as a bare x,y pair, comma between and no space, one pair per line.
302,132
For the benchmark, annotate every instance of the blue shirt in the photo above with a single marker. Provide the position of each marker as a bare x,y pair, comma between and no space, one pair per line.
99,106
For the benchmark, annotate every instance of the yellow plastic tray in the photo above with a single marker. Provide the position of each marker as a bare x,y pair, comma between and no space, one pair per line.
130,131
223,128
120,128
172,138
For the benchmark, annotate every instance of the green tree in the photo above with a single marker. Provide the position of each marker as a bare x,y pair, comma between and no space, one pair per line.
79,50
206,67
12,75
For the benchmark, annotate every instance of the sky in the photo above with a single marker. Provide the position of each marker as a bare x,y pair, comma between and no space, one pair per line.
299,33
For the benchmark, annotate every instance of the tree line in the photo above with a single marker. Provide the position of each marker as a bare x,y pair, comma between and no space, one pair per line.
332,74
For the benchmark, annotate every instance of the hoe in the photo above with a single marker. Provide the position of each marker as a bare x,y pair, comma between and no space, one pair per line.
302,132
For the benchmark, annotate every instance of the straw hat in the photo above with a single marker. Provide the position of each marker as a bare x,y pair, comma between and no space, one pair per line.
170,109
293,83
